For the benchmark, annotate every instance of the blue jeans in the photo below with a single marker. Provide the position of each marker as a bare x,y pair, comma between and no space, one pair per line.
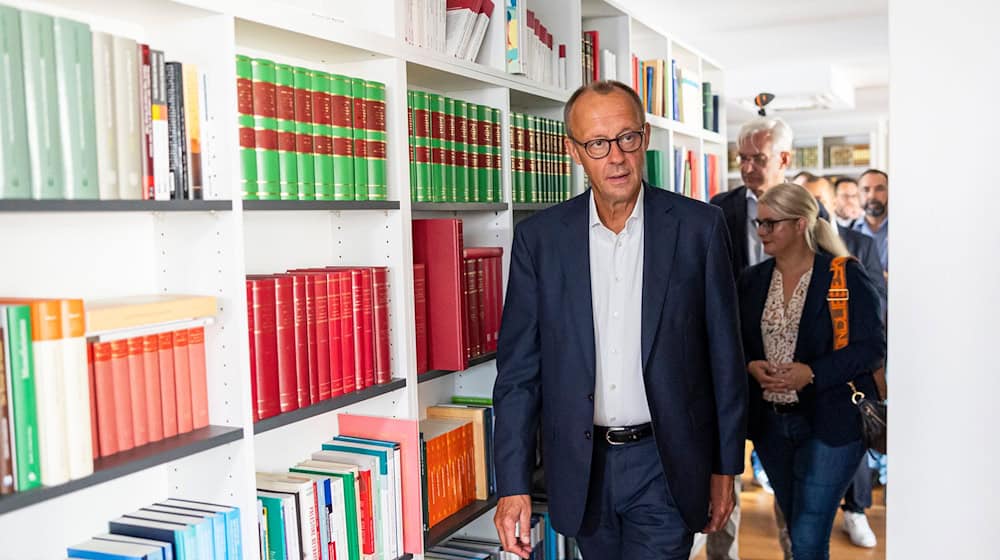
809,478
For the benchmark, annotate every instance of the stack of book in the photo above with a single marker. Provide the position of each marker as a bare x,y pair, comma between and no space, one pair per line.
483,289
309,135
453,27
540,165
597,63
545,543
531,50
316,334
454,150
174,528
699,180
90,115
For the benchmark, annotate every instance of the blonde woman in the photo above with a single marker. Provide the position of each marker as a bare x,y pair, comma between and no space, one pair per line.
803,424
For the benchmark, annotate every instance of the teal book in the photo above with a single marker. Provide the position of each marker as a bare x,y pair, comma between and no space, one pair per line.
41,105
234,532
181,537
274,513
21,387
15,170
216,521
199,536
75,83
114,550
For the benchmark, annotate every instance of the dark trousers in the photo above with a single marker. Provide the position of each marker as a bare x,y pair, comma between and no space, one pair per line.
858,497
809,478
630,514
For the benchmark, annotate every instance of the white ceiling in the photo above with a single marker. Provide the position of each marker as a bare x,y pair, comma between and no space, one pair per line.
792,48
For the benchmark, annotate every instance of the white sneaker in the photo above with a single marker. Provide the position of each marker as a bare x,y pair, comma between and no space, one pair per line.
857,528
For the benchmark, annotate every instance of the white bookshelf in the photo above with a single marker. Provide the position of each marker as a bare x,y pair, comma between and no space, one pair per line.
103,249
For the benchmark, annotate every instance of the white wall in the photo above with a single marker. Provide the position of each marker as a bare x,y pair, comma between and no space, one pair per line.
944,302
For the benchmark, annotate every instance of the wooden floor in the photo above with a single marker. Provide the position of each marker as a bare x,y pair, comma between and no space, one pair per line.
759,535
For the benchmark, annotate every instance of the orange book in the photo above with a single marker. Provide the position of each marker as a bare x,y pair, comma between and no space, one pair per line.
168,386
137,391
154,404
182,383
104,400
199,377
122,392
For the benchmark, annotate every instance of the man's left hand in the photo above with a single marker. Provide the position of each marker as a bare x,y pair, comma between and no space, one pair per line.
722,501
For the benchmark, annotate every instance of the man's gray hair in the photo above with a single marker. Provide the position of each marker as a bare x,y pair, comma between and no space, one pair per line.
781,133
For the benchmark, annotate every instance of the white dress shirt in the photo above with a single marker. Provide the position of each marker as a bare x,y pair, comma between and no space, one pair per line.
616,291
755,249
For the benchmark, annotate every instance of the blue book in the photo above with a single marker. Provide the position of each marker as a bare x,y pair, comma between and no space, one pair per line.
675,106
234,532
181,537
215,520
202,546
166,548
113,550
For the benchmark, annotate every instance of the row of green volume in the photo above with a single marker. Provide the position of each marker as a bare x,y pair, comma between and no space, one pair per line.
541,166
454,150
309,135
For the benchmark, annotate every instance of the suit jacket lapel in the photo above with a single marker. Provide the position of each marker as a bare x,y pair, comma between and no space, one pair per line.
577,296
737,222
659,245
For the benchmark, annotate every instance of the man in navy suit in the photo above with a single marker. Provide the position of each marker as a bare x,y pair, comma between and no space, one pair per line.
620,337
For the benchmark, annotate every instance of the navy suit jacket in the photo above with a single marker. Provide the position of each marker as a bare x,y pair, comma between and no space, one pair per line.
734,207
693,367
827,401
863,248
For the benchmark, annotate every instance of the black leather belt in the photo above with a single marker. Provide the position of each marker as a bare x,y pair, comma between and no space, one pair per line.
620,435
784,408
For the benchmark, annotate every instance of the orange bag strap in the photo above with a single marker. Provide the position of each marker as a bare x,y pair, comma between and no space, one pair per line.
838,298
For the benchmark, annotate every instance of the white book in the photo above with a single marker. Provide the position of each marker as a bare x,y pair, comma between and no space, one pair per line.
321,463
459,22
128,137
50,401
161,136
76,383
562,72
609,65
104,115
304,490
338,519
479,32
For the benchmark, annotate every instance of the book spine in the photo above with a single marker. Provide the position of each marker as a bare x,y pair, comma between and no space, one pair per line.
411,145
168,383
304,149
451,194
422,147
182,381
246,122
472,324
380,291
76,379
75,85
160,126
312,340
285,114
284,311
358,322
121,397
15,169
496,192
137,391
420,315
199,377
439,187
343,145
359,126
251,329
484,152
322,331
515,158
375,132
192,129
347,343
265,347
176,136
6,432
146,114
266,129
104,115
334,319
128,126
24,411
154,405
301,328
323,138
107,425
41,105
472,147
461,151
368,328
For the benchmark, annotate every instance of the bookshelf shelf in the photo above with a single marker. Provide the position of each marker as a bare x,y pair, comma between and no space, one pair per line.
328,405
460,206
319,205
533,206
9,205
128,462
451,525
438,373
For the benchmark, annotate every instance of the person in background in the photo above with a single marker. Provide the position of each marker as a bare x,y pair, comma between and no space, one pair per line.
848,207
764,152
873,185
802,420
803,177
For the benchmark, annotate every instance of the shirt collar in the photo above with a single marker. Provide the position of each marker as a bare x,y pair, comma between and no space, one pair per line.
635,217
751,195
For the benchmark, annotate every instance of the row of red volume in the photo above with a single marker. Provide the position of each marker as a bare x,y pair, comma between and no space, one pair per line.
316,334
147,388
483,298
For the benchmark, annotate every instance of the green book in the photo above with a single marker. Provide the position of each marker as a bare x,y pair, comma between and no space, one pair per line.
461,151
275,526
422,147
20,367
474,401
544,183
411,144
15,170
324,141
41,105
439,187
375,133
266,129
75,78
472,150
342,105
350,505
484,151
567,164
450,171
288,167
245,119
359,132
706,105
654,168
516,157
530,164
497,190
304,159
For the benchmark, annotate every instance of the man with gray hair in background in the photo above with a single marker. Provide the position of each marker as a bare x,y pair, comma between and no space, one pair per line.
765,153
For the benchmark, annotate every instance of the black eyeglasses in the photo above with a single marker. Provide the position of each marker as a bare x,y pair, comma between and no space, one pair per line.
768,225
599,148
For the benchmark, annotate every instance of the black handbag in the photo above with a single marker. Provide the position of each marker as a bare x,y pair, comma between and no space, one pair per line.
874,413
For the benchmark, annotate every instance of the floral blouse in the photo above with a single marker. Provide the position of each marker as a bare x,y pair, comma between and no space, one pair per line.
779,326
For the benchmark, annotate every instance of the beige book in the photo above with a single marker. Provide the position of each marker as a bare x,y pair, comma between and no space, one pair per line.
128,137
133,311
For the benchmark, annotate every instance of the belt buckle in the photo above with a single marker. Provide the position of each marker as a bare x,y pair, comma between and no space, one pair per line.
838,294
607,435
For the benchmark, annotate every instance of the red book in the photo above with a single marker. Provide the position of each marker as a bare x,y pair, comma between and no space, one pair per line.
284,312
349,369
438,245
265,346
486,300
199,377
94,440
182,381
368,330
492,297
151,367
122,395
596,55
367,512
168,386
137,391
104,397
146,112
420,315
472,325
480,298
319,382
496,287
380,291
334,321
312,340
301,325
253,352
352,304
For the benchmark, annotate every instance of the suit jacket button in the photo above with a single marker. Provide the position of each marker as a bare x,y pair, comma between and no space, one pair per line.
590,397
586,434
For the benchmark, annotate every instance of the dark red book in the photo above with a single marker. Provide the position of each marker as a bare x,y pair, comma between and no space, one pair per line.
491,299
473,346
182,380
420,315
437,244
253,351
334,326
356,295
146,112
284,320
265,346
301,332
347,346
311,338
321,331
380,291
368,327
